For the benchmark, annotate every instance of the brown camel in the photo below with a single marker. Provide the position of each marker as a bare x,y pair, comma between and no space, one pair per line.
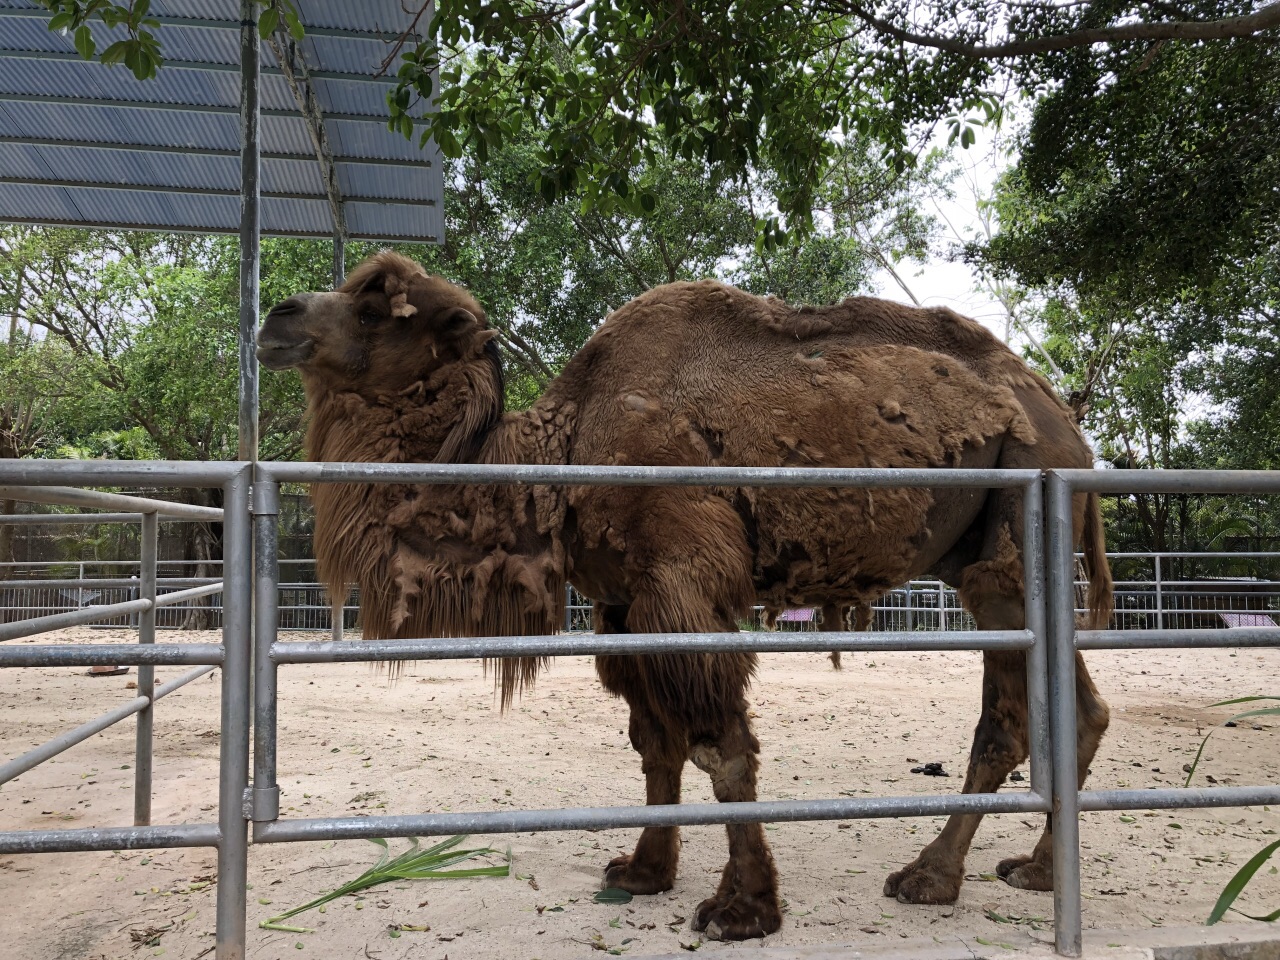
400,366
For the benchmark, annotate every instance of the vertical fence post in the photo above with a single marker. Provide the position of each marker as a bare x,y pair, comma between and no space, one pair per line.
1060,573
265,797
233,772
150,537
337,610
911,624
1033,558
1159,596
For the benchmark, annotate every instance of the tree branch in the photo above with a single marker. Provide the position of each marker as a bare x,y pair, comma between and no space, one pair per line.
1268,18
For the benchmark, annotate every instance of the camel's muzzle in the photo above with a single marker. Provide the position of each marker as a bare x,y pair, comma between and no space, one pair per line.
280,344
282,357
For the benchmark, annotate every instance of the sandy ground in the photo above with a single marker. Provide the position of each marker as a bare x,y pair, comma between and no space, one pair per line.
350,743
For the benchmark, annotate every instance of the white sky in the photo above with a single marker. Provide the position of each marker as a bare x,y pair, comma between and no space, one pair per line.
940,282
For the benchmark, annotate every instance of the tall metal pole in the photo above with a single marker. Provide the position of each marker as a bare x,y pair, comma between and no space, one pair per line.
1061,616
265,804
250,228
233,774
339,260
146,674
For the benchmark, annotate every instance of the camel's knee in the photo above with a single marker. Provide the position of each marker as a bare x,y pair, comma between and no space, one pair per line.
733,773
999,743
708,758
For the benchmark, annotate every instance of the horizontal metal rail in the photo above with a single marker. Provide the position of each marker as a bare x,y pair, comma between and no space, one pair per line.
182,596
568,645
110,838
119,473
1065,639
71,618
1165,798
1176,639
111,654
59,744
103,583
1171,481
61,519
75,497
657,815
620,476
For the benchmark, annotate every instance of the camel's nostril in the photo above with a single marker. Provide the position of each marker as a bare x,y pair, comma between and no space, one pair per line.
285,308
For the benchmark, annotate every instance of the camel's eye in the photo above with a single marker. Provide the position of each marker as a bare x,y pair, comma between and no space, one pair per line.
369,317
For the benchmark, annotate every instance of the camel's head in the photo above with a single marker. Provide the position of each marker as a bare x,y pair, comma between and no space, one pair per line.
387,328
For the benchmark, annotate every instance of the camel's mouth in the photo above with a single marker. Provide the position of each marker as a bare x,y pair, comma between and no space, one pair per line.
282,357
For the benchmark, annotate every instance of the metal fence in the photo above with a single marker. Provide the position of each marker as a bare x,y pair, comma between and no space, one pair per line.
252,603
136,602
39,588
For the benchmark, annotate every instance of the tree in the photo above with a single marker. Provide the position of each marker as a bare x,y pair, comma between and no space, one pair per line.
124,346
548,271
761,84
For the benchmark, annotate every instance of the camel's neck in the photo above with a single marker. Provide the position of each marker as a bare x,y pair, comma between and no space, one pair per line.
455,560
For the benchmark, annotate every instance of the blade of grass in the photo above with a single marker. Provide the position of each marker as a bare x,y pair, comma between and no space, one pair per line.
413,864
1266,712
1238,882
1269,918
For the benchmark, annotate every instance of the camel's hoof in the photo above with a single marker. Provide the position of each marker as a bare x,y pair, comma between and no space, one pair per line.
637,878
920,882
1026,873
738,917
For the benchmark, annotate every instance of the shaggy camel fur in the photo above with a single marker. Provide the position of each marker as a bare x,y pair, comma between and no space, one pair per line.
400,366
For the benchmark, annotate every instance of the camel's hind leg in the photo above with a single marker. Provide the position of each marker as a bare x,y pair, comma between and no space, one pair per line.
999,745
991,590
1034,871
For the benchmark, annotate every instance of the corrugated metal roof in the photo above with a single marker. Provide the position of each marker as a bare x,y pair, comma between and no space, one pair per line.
82,143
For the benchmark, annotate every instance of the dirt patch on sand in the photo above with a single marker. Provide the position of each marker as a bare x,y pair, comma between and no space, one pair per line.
351,744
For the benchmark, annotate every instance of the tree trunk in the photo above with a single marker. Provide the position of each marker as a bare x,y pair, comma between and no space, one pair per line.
6,532
203,544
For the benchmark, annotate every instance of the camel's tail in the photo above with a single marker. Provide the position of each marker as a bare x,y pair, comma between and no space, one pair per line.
1100,600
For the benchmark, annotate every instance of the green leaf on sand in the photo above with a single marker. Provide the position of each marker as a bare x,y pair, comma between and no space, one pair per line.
612,895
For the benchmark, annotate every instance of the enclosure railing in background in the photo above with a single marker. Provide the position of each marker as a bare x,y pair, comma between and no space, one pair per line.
141,607
252,588
34,588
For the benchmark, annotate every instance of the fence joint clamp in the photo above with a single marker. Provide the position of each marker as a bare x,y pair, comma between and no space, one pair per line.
265,499
261,804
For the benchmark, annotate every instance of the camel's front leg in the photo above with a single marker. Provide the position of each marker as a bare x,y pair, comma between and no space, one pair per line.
746,903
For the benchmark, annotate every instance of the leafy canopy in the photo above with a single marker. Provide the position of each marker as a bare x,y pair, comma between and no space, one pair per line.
773,85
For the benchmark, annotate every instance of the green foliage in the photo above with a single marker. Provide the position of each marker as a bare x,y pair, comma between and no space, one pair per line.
760,85
1147,177
1235,886
413,864
756,85
128,342
138,49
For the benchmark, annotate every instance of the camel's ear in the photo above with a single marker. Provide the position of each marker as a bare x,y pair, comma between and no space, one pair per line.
454,322
397,291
